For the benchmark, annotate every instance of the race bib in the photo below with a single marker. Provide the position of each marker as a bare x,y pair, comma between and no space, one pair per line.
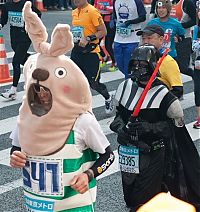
123,31
167,39
77,33
129,159
44,177
15,19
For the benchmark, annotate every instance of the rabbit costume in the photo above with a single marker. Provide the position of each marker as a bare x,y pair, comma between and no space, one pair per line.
56,127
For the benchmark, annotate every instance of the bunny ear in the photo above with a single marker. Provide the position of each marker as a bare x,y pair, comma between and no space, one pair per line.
61,40
35,28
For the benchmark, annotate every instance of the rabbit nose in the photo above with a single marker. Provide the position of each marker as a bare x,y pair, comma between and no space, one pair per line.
40,74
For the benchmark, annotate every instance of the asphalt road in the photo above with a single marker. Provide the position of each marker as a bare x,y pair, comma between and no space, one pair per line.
109,197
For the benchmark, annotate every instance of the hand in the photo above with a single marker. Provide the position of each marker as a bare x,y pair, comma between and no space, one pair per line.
18,159
83,42
112,24
127,23
117,124
176,39
80,183
139,127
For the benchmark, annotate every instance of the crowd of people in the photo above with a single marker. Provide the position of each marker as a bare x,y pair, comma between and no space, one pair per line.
156,141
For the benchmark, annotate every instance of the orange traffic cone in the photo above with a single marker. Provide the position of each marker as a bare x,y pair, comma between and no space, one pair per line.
4,69
40,6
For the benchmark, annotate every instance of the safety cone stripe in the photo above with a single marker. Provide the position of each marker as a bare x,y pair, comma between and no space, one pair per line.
3,66
8,79
39,5
2,54
4,74
2,47
3,61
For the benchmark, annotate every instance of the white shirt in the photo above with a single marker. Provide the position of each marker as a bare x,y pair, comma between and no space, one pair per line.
128,10
87,133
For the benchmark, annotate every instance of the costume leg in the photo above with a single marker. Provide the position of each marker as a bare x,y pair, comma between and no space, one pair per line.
139,188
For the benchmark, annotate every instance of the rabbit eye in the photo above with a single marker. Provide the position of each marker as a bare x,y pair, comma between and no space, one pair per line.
60,72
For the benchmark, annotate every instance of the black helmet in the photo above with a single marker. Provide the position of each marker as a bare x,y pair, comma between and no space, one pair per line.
143,62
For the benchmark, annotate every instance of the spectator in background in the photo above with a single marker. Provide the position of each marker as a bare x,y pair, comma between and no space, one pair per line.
63,4
196,76
128,16
172,27
20,42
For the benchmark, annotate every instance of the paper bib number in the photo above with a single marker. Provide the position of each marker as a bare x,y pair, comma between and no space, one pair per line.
129,159
16,19
44,177
77,33
123,31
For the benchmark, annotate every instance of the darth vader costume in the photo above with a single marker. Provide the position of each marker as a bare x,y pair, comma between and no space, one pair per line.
156,152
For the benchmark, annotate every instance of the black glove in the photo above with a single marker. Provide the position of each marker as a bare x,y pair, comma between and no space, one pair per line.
127,23
139,127
161,129
14,148
117,124
123,137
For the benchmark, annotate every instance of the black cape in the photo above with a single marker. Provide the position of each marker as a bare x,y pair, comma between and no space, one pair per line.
183,167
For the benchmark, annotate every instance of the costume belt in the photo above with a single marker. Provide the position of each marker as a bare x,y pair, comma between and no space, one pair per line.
147,148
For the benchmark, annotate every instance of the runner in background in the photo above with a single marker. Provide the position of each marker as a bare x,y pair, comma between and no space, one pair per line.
172,27
185,12
20,42
88,28
105,7
128,16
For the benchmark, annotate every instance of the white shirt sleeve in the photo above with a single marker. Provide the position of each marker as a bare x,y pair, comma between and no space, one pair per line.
88,133
15,136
